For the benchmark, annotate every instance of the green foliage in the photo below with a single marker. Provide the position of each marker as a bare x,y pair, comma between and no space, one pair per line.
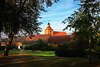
70,50
14,46
78,49
40,45
22,15
94,53
86,22
28,47
2,47
50,47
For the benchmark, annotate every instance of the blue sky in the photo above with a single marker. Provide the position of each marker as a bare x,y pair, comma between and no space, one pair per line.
57,13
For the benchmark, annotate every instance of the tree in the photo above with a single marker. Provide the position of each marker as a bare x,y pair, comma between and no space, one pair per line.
21,16
2,4
85,21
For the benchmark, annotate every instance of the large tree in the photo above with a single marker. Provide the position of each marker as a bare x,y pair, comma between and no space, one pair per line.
85,21
21,16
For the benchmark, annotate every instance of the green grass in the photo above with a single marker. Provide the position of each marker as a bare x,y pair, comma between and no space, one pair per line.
14,51
1,51
10,51
45,59
44,53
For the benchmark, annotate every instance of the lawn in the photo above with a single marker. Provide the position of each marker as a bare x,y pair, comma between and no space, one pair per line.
44,53
10,51
44,59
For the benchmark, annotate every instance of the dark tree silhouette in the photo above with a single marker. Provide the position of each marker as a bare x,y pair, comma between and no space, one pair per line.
86,21
21,16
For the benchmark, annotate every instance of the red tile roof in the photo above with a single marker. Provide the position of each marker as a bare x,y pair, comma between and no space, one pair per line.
37,37
19,39
58,39
56,33
49,39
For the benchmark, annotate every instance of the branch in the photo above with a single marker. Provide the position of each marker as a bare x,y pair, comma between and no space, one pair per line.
23,4
20,3
21,8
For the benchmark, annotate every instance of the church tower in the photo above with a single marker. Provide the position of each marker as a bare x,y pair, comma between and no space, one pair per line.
49,30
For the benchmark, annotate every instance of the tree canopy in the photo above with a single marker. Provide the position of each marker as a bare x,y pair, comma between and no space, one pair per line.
21,16
86,22
86,17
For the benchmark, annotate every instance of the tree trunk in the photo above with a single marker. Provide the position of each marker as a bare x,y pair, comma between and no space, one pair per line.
90,48
8,44
90,44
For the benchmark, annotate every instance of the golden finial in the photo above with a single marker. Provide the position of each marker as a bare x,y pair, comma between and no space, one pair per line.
48,24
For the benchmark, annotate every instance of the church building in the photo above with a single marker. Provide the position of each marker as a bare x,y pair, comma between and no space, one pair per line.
49,36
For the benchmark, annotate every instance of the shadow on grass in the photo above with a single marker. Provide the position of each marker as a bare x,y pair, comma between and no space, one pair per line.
26,60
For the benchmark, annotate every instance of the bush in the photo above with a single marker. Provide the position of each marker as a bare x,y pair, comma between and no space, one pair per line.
50,47
35,47
61,50
41,45
13,46
2,47
28,47
95,51
70,50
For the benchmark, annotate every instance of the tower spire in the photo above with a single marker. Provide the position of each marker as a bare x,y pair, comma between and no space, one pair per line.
49,30
48,24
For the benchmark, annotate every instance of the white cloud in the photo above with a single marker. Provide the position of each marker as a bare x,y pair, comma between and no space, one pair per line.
57,13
